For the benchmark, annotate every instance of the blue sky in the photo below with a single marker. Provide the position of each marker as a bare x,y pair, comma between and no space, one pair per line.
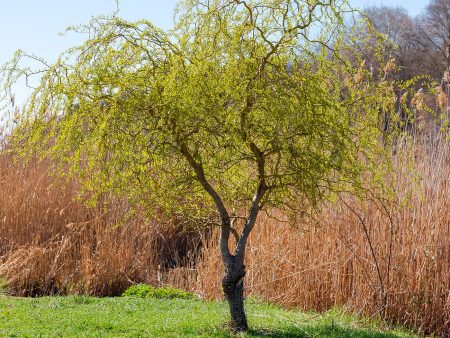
34,25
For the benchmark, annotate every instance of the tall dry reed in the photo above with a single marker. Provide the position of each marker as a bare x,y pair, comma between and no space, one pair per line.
51,243
361,260
395,266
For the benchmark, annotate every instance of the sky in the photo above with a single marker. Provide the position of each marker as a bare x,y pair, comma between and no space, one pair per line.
36,25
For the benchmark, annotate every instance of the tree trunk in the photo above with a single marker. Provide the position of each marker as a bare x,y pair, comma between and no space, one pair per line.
233,288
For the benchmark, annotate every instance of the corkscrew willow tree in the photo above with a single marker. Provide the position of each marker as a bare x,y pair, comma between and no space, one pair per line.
243,106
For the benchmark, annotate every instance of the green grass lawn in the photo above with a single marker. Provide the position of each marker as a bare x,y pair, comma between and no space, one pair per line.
79,316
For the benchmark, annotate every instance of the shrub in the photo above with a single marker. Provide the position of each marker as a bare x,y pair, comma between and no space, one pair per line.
139,290
147,291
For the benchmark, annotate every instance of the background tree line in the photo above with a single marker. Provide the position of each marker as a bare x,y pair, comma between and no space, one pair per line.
422,42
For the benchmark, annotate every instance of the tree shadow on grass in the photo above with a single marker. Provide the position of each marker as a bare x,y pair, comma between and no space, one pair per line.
319,331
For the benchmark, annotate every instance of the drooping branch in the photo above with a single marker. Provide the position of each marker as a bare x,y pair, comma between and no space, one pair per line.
235,234
286,34
256,202
371,247
200,174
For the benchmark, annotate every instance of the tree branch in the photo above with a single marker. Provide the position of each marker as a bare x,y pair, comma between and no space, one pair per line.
255,206
200,174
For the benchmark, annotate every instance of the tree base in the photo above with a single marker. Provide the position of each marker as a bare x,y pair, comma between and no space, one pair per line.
233,288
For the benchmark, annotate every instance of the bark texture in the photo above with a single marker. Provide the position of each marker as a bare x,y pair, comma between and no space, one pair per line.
233,288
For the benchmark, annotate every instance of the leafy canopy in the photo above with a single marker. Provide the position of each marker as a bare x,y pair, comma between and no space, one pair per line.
238,95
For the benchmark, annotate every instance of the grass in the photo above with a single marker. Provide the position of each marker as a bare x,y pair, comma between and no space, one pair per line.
81,316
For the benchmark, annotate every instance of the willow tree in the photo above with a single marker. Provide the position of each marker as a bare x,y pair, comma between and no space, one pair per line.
243,106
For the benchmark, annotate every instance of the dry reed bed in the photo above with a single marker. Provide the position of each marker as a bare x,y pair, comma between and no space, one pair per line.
52,244
322,267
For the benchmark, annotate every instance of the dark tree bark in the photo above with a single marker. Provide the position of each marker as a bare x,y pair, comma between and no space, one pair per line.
233,288
233,280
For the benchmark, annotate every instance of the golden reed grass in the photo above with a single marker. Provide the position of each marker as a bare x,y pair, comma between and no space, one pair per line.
404,278
52,244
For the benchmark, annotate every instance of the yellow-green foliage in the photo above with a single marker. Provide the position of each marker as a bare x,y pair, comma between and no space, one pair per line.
233,83
147,291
